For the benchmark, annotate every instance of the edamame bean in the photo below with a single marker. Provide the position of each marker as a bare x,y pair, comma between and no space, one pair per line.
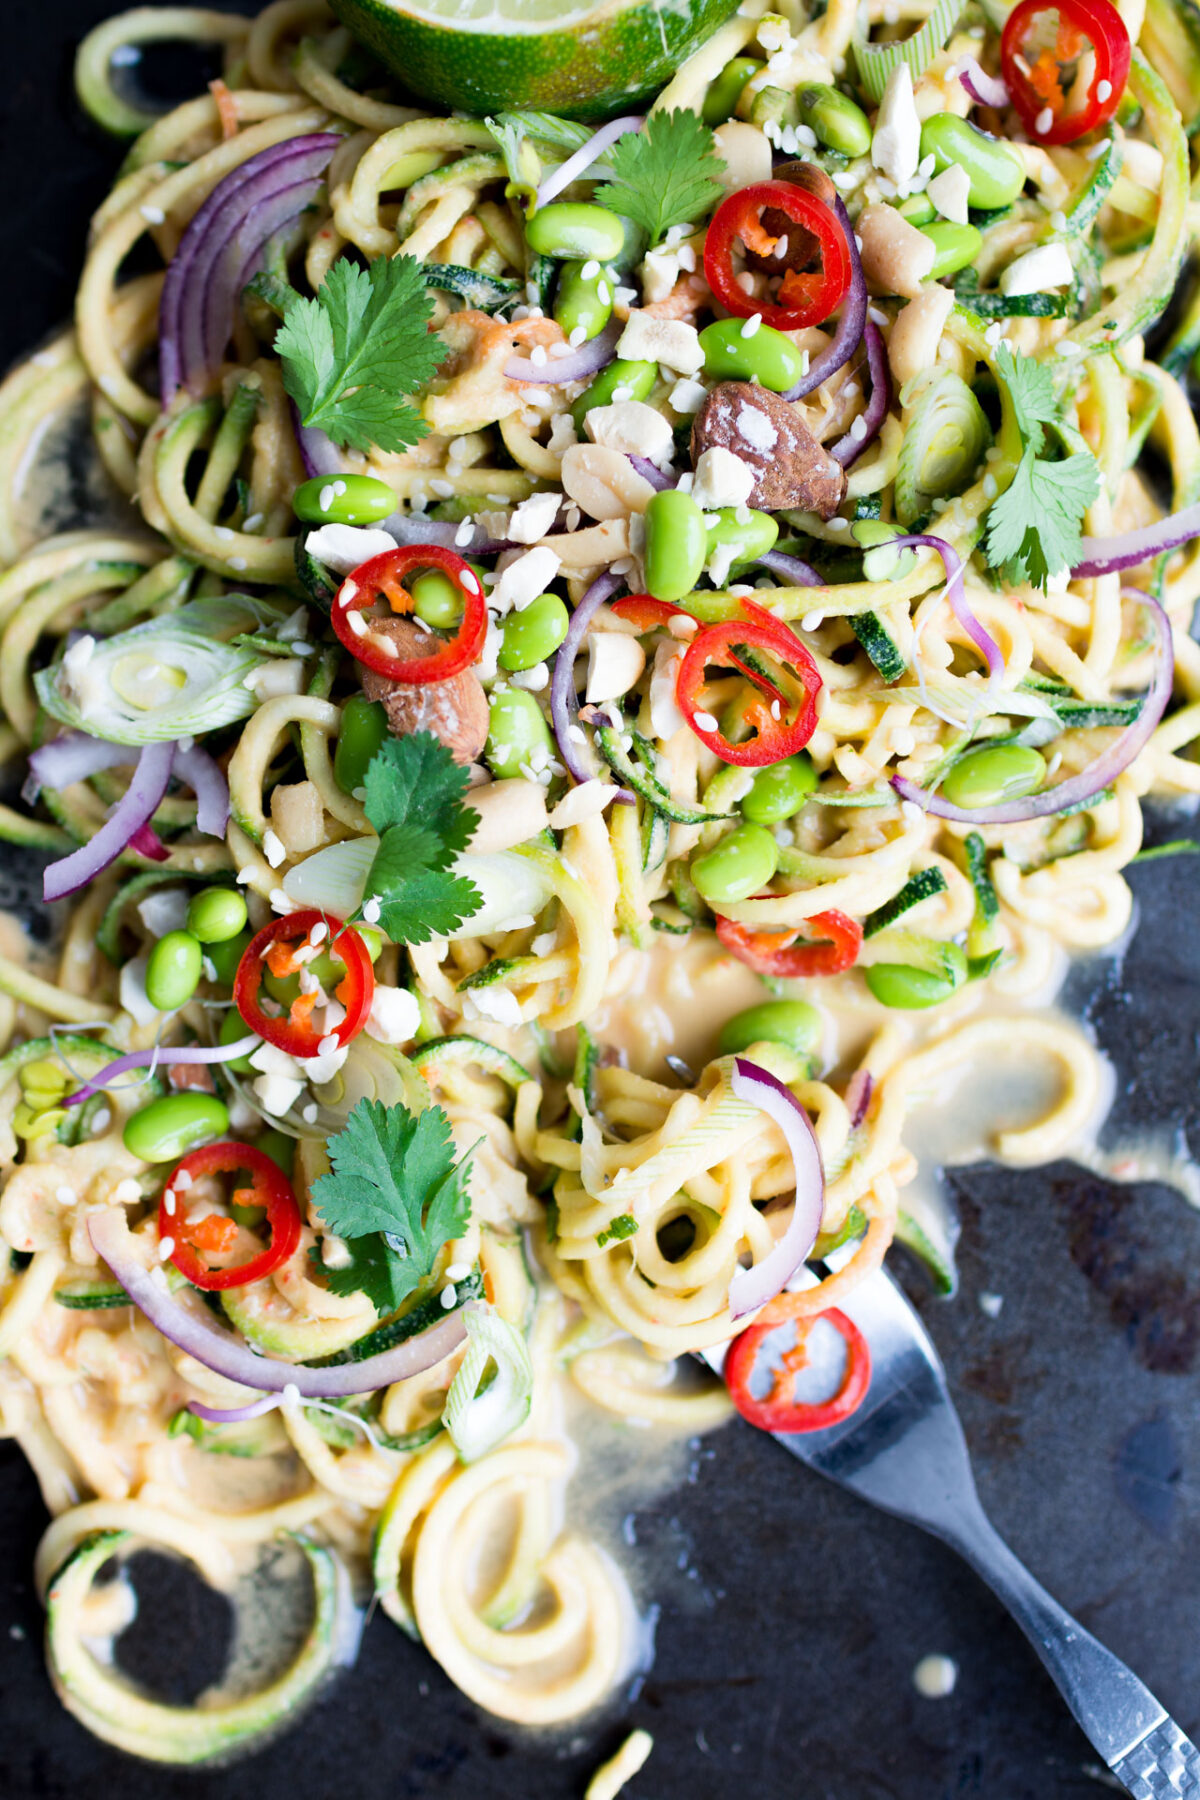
629,380
168,1128
791,1022
280,1148
748,540
224,958
918,209
740,865
584,297
780,790
955,246
994,169
569,228
343,500
529,637
436,599
837,121
173,970
721,100
233,1027
364,728
216,914
676,545
765,355
773,106
517,730
907,989
986,777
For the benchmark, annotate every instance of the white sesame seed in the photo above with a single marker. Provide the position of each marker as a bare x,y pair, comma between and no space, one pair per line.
66,1196
449,1298
537,356
458,1271
327,1043
1104,91
464,534
590,269
812,621
327,497
238,564
372,909
169,1200
751,326
604,293
705,721
166,1249
1044,121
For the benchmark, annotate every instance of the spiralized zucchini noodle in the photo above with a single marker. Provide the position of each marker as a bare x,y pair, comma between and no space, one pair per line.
800,539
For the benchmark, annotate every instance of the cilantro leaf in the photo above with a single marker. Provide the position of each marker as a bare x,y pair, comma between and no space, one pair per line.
396,1194
1033,528
414,799
1031,389
352,354
668,173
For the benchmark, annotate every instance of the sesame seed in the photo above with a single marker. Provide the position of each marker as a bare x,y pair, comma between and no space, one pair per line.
182,1181
1044,121
166,1249
66,1196
1104,91
327,497
458,1271
590,269
604,293
327,1043
751,326
705,721
372,909
449,1298
537,357
812,621
238,564
169,1200
319,933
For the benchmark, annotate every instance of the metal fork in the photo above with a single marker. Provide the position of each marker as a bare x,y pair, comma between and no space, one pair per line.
904,1451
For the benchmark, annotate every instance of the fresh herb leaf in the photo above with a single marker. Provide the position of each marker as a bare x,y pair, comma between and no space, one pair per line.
352,354
1176,847
668,173
397,1196
1031,390
623,1226
1034,527
414,800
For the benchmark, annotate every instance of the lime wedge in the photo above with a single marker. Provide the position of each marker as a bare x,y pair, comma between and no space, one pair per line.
583,61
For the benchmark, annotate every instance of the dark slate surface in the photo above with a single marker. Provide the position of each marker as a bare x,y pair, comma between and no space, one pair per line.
791,1616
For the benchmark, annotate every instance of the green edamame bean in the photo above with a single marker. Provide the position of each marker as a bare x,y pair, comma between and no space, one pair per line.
918,209
986,777
791,1022
748,541
773,106
233,1027
436,600
740,865
223,959
569,228
343,500
173,970
282,1151
168,1128
955,247
765,355
721,100
630,380
780,790
837,121
907,989
516,730
676,545
217,914
363,730
530,636
994,169
584,297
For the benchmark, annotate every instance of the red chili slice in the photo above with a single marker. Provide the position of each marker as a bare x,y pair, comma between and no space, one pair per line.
772,952
269,1188
647,613
779,1410
293,1031
1034,65
383,579
781,726
808,297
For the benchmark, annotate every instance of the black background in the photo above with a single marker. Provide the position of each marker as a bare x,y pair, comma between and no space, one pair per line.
791,1616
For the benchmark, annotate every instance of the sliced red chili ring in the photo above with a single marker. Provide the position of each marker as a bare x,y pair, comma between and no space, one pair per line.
1033,63
777,953
781,726
269,1188
779,1410
808,297
293,1031
383,579
647,613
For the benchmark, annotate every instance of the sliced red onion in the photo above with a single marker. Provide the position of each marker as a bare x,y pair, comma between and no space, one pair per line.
162,1053
792,568
858,1096
135,808
415,528
850,447
848,333
1090,781
234,1415
956,571
222,1353
206,779
581,160
1104,556
579,365
652,473
147,843
564,705
752,1288
988,90
318,452
72,757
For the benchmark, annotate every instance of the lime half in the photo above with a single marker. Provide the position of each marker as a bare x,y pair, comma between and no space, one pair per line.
583,61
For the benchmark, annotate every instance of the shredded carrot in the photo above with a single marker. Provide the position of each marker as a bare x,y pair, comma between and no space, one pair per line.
301,1009
245,1197
796,289
215,1235
281,960
1044,80
783,1385
755,236
227,110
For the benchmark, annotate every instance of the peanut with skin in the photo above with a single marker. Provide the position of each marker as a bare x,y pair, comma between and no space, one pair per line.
896,257
455,710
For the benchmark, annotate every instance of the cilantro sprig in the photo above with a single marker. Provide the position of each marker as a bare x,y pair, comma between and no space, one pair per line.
396,1195
414,799
1034,527
351,356
668,173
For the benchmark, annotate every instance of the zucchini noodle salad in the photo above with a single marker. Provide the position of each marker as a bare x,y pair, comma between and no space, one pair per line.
623,656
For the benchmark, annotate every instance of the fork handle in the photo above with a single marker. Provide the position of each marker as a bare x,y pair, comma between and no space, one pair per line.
1143,1747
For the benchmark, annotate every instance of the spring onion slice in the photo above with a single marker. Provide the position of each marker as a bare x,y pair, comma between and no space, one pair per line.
479,1419
876,61
753,1287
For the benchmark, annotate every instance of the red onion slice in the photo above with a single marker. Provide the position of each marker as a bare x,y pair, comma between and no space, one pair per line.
1104,556
652,473
792,568
318,452
848,333
234,1415
72,757
162,1053
581,160
564,705
577,365
850,447
135,808
224,1355
956,571
858,1096
147,843
752,1288
1090,781
204,776
988,90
